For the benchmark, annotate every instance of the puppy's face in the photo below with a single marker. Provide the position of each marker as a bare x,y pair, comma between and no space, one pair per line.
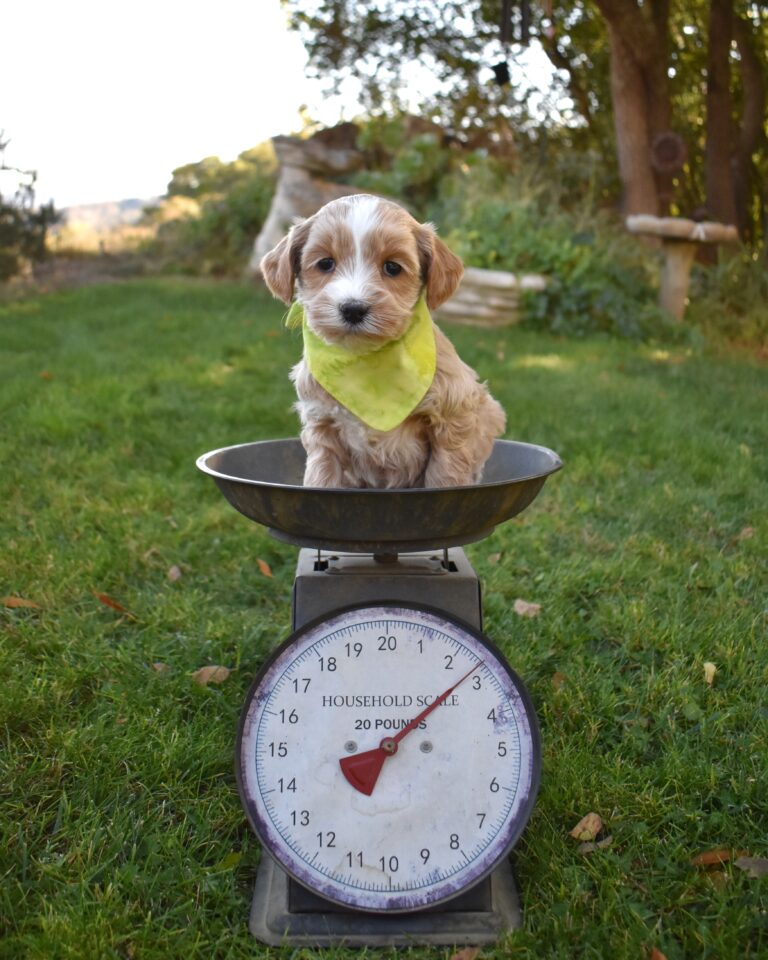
361,263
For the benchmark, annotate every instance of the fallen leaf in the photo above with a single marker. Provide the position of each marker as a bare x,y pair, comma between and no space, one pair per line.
656,954
754,866
160,667
692,711
264,567
592,845
18,602
713,858
746,533
718,878
588,827
110,602
210,674
709,673
46,375
174,573
121,721
558,679
468,953
525,609
227,863
494,557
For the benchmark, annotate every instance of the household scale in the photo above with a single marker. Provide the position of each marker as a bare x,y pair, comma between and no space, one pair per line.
388,757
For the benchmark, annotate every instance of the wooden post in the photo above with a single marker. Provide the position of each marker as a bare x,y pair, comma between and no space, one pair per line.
676,276
680,240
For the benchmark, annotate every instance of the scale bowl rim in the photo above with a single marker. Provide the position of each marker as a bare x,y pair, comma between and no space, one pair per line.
202,464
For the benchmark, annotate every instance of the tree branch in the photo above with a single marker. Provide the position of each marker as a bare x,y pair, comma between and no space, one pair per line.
558,58
636,30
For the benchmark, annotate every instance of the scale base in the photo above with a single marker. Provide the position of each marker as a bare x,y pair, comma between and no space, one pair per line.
285,914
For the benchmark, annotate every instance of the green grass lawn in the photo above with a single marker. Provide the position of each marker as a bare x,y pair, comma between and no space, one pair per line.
121,833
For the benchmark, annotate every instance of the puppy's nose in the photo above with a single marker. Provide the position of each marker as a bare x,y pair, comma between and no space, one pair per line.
353,311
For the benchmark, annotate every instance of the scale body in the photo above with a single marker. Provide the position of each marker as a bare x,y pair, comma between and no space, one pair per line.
383,619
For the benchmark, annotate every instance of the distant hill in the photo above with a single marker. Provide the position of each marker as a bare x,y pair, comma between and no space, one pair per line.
106,217
101,227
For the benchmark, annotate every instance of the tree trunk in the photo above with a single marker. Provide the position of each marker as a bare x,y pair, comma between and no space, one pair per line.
657,91
630,118
721,199
638,34
751,133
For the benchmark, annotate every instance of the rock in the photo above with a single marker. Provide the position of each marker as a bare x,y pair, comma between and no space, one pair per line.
302,187
489,298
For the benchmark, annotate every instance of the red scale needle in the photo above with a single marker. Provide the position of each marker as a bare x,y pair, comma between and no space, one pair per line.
362,769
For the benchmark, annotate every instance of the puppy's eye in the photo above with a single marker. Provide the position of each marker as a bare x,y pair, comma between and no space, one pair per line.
391,268
326,264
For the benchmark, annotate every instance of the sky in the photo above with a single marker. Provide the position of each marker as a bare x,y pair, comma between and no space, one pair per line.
105,99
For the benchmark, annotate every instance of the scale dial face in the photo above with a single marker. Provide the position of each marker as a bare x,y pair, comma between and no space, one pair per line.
388,758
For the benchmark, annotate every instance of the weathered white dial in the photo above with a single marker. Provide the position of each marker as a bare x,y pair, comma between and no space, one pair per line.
388,758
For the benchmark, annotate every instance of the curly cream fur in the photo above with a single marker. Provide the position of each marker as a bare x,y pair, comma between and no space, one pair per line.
448,437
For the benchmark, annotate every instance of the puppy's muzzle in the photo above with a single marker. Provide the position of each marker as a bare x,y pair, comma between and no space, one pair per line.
353,312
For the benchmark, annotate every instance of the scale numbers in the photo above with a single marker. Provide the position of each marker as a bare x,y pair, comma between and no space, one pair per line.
388,758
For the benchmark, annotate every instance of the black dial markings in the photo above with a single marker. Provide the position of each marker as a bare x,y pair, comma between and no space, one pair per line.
507,711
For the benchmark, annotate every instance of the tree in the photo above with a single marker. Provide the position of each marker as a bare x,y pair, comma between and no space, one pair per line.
23,227
656,66
647,48
212,211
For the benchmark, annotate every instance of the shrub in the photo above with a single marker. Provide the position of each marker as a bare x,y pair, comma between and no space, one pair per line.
23,233
599,279
730,301
405,159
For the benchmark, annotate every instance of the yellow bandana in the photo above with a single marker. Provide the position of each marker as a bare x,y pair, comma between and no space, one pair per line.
381,385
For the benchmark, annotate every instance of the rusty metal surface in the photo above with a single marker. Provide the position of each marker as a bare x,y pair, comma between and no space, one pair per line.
481,916
263,480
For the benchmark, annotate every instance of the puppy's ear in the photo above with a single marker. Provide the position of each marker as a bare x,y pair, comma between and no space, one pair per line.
441,268
280,266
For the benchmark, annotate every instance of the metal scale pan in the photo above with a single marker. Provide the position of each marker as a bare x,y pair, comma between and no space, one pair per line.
263,481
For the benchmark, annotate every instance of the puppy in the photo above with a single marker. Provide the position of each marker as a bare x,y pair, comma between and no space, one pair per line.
364,269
